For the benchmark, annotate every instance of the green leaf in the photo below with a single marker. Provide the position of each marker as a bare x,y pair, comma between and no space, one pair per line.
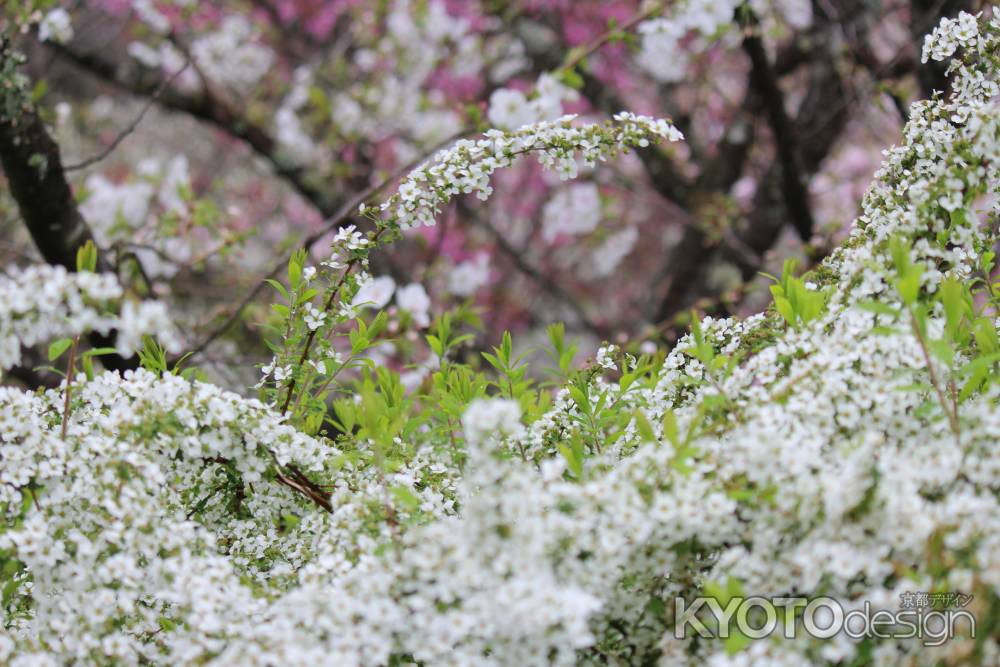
98,352
574,455
87,364
878,308
785,309
435,344
670,430
943,350
644,427
86,257
278,286
951,293
319,99
506,349
405,496
571,78
557,336
153,357
986,336
295,264
736,641
493,361
580,398
39,91
56,348
306,295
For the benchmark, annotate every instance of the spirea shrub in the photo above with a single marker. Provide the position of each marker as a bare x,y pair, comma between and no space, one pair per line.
843,443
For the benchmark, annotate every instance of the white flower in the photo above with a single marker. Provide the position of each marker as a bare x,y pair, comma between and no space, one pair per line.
113,210
607,256
605,357
145,54
232,56
314,317
468,276
487,417
573,210
466,166
142,318
949,35
151,16
57,26
350,238
509,109
296,144
413,299
375,293
176,179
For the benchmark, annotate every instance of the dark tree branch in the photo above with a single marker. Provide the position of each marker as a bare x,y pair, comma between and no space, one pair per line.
546,283
664,175
763,79
822,117
210,108
33,167
924,14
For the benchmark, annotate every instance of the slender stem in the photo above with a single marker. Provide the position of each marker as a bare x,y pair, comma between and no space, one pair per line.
326,309
340,217
131,127
70,372
950,409
333,376
576,56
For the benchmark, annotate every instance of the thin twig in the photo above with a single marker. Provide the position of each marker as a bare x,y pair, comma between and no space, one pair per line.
338,219
547,284
70,372
326,308
950,409
131,127
763,78
577,55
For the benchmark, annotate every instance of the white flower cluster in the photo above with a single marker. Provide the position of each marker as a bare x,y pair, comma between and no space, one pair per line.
346,241
662,54
487,418
389,89
950,35
670,42
232,56
413,298
606,257
465,278
298,147
57,26
376,293
42,303
127,212
467,166
511,109
110,553
572,211
175,523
